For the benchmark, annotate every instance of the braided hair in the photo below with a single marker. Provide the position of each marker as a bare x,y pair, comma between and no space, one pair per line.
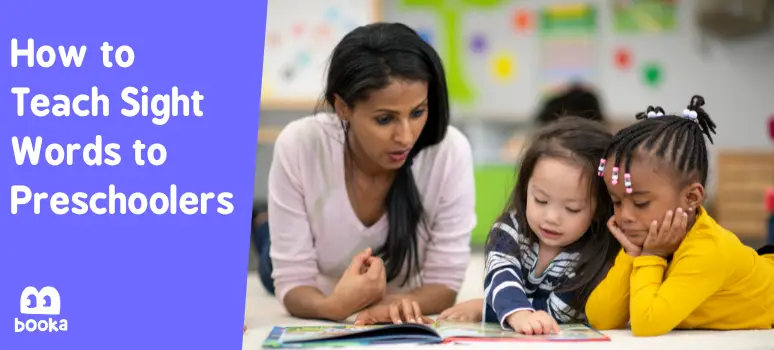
678,140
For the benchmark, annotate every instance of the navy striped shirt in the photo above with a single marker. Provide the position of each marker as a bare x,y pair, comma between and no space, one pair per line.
511,285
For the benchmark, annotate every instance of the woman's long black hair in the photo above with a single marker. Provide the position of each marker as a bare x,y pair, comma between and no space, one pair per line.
364,61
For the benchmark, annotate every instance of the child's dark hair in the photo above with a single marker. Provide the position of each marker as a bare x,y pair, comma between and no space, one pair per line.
676,140
580,141
364,61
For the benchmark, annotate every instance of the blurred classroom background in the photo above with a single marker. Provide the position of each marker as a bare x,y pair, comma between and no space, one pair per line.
510,63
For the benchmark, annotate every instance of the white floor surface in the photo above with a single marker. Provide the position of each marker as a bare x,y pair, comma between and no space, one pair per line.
264,312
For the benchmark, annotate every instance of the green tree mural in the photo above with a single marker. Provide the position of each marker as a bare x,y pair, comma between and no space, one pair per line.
451,49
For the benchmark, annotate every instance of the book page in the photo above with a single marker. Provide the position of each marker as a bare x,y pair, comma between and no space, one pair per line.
493,332
301,333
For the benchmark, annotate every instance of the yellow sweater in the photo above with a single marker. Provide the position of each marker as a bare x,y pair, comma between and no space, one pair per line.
713,282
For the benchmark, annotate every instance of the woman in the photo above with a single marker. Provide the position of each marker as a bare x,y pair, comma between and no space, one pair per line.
371,203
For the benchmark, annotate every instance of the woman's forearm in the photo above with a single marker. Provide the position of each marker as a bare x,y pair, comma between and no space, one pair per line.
432,298
310,303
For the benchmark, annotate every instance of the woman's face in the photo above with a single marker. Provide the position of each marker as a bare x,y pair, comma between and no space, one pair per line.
384,128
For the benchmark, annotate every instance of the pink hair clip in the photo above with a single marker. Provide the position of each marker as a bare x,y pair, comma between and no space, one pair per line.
601,168
628,182
615,175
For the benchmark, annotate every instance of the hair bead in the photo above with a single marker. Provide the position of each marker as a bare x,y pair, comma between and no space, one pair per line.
628,183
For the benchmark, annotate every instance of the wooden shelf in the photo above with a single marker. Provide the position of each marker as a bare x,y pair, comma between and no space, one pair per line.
743,177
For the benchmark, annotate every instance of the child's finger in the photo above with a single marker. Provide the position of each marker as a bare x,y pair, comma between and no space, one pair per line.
526,328
666,225
684,224
674,231
536,325
675,220
547,327
611,225
652,232
549,324
618,234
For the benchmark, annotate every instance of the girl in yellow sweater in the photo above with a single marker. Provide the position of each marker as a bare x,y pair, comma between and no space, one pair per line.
678,268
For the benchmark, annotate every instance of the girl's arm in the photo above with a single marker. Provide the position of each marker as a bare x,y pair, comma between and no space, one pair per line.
659,305
608,305
503,284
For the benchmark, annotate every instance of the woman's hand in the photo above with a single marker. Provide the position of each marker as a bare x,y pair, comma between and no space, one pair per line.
532,322
362,284
469,311
630,248
399,311
663,241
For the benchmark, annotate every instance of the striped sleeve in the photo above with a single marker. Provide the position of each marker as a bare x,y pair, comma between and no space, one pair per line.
504,282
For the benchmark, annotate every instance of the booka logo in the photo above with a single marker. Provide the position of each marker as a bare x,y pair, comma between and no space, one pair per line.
40,302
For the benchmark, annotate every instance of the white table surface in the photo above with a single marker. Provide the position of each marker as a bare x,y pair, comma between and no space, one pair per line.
263,312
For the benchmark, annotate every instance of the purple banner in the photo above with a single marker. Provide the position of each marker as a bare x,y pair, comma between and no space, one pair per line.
127,160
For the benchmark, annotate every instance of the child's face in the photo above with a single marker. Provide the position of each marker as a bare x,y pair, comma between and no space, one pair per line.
559,209
654,193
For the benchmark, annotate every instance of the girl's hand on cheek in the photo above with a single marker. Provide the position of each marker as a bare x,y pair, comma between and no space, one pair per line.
630,248
665,240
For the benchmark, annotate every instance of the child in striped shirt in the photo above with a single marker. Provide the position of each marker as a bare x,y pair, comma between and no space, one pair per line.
551,247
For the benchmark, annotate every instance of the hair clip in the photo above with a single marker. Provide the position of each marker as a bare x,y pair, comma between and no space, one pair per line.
615,175
628,183
687,113
601,168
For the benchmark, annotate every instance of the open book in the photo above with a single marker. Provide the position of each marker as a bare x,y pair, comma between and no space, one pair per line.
440,332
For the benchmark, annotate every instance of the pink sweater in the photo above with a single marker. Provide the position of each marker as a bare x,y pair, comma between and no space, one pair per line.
315,233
